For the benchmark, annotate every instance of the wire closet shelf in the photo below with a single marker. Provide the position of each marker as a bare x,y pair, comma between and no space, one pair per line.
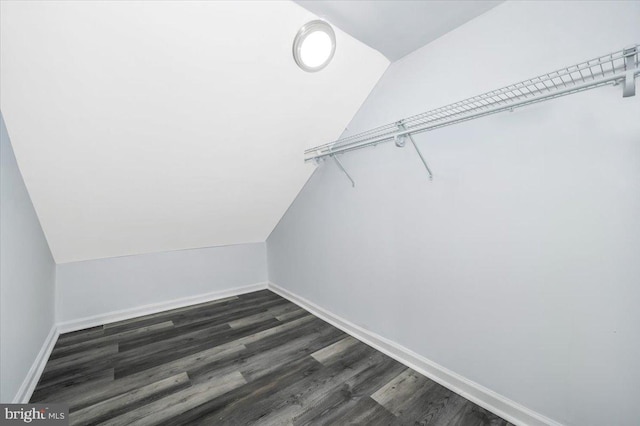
617,68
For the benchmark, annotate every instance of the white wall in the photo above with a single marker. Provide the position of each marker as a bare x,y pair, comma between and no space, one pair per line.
101,288
518,266
27,277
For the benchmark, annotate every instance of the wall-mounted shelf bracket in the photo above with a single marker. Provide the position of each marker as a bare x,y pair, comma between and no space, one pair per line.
629,84
401,141
621,67
353,184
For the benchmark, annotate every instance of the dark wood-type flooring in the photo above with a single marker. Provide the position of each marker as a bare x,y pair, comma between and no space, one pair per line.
250,359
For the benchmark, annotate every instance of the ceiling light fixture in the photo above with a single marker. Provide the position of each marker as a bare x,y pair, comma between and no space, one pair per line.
314,46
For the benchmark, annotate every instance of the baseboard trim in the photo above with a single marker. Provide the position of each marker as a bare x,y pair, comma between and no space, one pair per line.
31,380
125,314
33,376
486,398
474,392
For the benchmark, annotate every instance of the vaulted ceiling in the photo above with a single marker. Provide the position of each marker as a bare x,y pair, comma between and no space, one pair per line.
146,126
162,125
398,27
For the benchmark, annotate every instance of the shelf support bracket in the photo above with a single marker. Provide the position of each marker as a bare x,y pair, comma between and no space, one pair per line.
426,166
353,184
400,142
629,84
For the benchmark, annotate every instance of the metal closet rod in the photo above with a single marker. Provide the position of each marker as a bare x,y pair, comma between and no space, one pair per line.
620,67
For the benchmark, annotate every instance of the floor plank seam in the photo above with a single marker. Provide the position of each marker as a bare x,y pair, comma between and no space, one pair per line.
252,358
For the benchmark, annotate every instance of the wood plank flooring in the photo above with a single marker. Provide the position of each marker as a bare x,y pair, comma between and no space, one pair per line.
250,359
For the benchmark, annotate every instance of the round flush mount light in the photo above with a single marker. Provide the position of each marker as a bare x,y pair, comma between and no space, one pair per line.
314,46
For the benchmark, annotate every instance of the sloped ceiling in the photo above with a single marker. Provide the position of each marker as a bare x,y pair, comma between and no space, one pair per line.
398,27
151,126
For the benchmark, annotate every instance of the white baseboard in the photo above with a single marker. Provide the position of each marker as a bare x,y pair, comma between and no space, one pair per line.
125,314
478,394
29,384
474,392
31,380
